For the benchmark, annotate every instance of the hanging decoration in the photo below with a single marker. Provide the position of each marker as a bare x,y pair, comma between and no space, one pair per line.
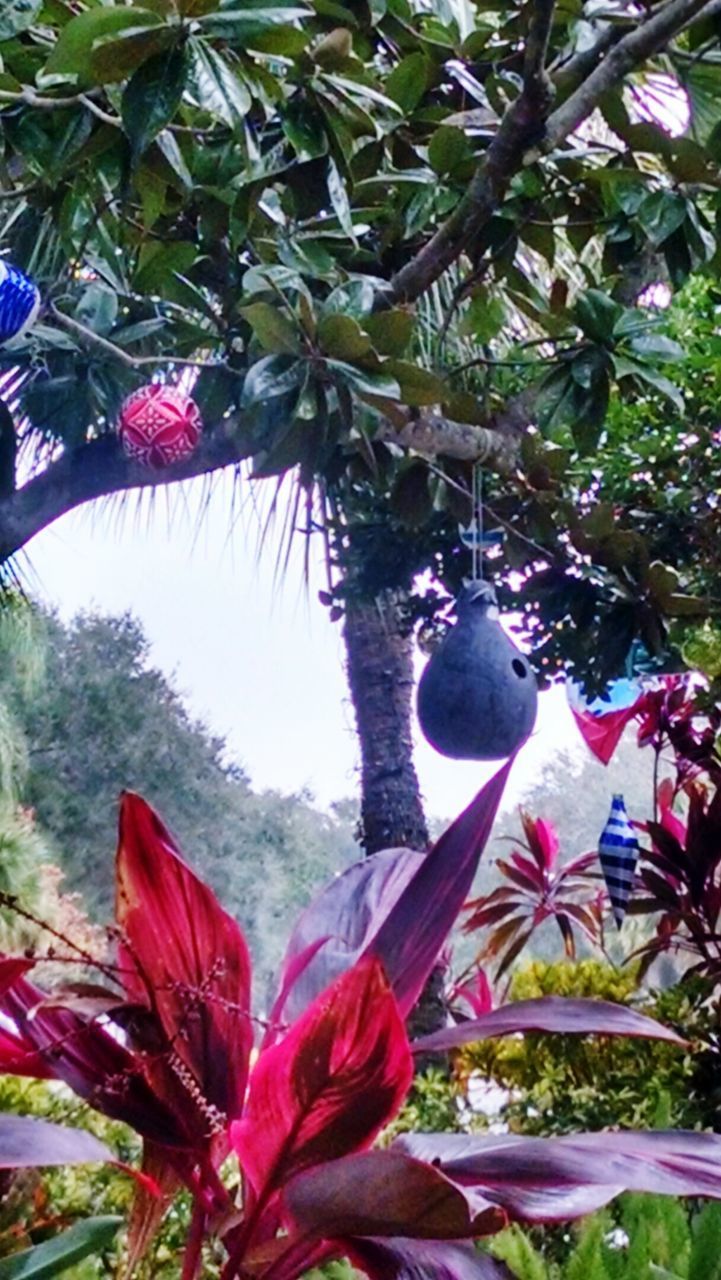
477,697
602,720
19,302
618,855
159,425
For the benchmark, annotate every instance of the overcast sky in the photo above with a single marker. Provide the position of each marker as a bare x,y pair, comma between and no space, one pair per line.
258,661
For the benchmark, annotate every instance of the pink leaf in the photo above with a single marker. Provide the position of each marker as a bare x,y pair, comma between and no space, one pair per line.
414,931
603,733
327,1088
557,1179
339,925
191,962
549,1014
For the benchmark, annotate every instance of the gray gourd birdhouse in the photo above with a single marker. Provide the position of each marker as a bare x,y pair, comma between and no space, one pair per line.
477,696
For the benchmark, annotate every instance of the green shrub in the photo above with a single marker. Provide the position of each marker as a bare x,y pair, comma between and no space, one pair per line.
649,1238
561,1084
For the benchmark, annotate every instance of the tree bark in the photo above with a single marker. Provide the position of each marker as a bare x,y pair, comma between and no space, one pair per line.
379,650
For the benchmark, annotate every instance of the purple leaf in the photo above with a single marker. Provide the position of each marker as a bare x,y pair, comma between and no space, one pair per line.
337,927
424,1260
567,1016
414,931
556,1179
387,1193
27,1143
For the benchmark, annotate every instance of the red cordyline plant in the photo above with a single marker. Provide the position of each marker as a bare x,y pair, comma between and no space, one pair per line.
679,874
165,1044
536,889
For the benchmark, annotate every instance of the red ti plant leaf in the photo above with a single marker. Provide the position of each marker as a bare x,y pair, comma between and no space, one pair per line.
412,935
387,1193
26,1143
96,1066
557,1179
333,932
560,1014
399,904
329,1086
424,1260
184,958
536,889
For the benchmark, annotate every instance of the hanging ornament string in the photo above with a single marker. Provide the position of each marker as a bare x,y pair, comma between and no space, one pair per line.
477,560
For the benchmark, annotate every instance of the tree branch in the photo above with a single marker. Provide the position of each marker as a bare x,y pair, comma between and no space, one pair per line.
519,127
524,124
100,468
496,444
632,51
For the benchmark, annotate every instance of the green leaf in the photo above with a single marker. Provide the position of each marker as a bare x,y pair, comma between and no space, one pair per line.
54,1256
242,24
661,213
159,261
272,327
342,338
390,331
418,386
218,89
484,318
152,97
17,16
625,368
304,128
409,80
597,314
270,377
656,346
339,200
355,298
447,149
72,57
365,382
98,307
167,143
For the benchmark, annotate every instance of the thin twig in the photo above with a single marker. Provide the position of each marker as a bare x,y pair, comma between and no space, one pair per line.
117,353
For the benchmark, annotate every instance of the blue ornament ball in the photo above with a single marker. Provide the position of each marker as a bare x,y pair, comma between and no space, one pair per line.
19,302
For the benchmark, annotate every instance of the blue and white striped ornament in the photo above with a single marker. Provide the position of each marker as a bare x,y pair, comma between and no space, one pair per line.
618,854
19,302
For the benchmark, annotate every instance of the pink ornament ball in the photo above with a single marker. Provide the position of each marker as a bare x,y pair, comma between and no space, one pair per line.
159,426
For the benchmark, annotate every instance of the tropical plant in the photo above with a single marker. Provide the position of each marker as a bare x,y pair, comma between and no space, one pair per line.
537,889
559,1084
391,243
334,1066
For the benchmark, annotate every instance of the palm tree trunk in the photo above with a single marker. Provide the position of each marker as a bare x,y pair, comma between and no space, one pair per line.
379,649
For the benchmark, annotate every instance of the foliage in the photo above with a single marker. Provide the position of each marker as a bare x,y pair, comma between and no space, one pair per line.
558,1084
650,1237
101,718
362,220
537,889
334,1067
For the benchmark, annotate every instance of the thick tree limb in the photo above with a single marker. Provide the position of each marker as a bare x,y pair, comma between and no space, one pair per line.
525,124
96,470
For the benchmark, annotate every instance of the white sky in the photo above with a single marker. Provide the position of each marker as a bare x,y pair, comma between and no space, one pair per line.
259,662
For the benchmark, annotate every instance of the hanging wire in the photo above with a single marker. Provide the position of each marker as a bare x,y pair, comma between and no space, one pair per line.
477,524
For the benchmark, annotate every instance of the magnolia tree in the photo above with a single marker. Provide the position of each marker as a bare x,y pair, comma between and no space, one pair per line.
389,243
163,1040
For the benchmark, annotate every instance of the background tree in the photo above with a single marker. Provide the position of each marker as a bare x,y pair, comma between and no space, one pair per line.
320,208
101,718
